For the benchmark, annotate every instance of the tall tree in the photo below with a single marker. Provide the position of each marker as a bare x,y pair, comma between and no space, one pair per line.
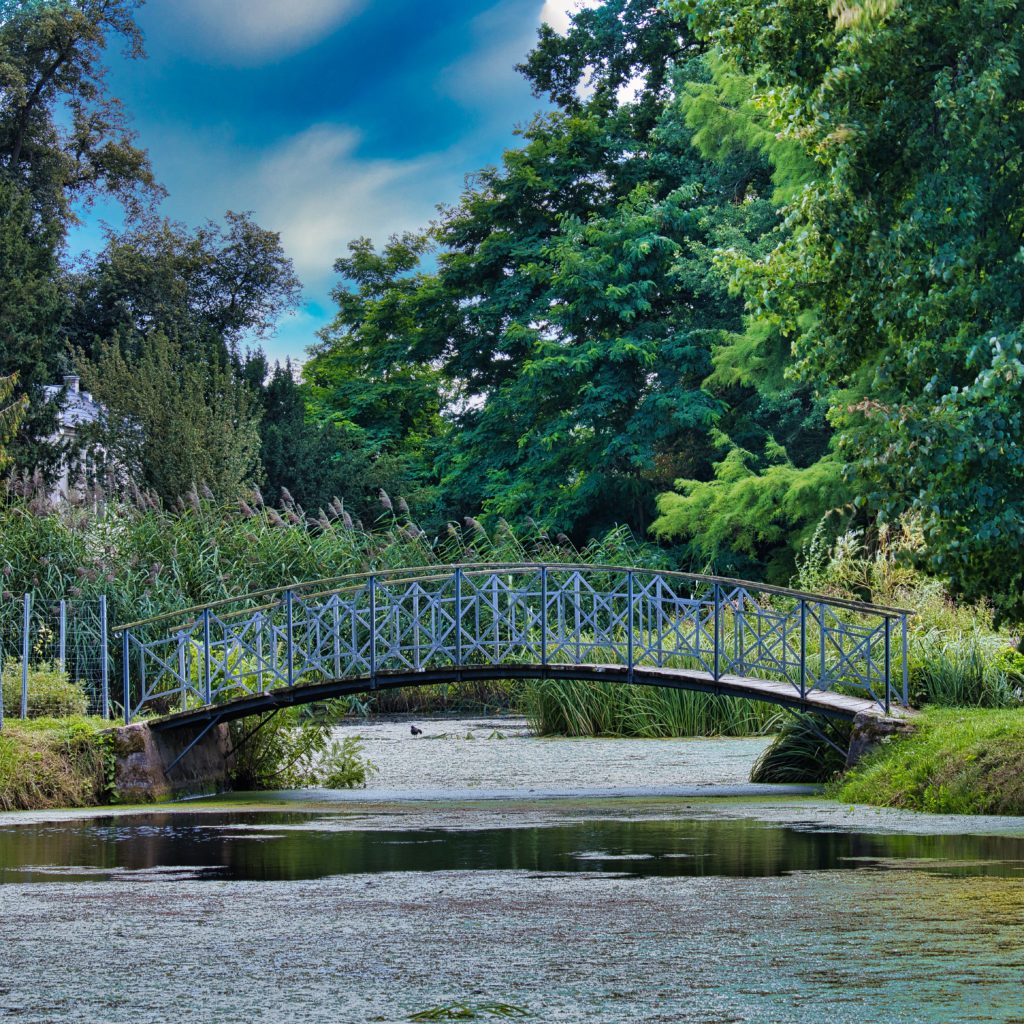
210,288
174,422
64,141
899,283
10,415
570,321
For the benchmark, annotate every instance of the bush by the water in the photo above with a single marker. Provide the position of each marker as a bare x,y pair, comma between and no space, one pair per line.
958,761
557,707
809,748
294,749
51,694
50,762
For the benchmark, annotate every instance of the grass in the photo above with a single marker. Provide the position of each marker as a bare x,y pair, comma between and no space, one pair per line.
801,751
960,761
53,762
51,694
557,707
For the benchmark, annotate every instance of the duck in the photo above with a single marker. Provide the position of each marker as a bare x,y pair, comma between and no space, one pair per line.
415,731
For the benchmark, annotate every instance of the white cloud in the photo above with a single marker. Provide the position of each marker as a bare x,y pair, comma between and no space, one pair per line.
558,13
251,31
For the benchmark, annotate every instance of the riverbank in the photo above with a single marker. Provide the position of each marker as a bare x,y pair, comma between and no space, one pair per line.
53,762
958,761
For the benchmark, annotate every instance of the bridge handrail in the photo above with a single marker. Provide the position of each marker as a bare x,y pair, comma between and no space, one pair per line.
439,570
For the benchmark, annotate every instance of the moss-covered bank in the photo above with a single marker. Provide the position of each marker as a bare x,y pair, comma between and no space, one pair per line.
959,761
54,762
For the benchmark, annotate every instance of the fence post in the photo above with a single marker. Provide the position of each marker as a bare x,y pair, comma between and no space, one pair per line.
888,659
126,677
544,615
207,681
822,685
718,631
373,631
26,624
629,626
104,661
803,649
289,637
458,617
62,635
906,668
183,673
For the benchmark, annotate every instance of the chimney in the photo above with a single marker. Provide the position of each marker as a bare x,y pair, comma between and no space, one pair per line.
71,381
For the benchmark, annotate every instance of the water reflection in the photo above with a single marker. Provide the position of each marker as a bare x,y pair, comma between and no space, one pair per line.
275,846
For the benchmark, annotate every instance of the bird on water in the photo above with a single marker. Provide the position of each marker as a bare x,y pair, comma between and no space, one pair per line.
415,731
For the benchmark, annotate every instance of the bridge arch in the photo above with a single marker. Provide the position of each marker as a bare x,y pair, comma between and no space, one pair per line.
404,627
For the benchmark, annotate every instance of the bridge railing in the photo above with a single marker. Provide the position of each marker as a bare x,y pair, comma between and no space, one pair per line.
403,622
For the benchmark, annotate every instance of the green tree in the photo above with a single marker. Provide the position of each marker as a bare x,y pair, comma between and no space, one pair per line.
898,282
210,288
10,415
571,318
64,142
174,422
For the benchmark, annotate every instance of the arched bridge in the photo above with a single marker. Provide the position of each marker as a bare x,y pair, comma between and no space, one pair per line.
407,627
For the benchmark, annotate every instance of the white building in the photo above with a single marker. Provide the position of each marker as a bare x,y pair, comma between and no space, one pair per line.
80,409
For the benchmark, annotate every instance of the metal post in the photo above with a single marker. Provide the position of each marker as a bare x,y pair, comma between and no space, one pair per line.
289,638
373,631
629,626
260,654
821,653
104,660
458,617
126,677
906,667
888,659
718,628
26,622
543,615
336,627
62,634
207,680
803,649
183,670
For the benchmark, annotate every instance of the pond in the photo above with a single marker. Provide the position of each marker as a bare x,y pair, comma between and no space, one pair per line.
616,900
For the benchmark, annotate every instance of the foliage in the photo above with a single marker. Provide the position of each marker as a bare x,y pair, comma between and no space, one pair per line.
52,763
174,421
897,279
207,289
10,416
957,762
471,1011
51,694
289,749
802,751
64,142
580,708
574,306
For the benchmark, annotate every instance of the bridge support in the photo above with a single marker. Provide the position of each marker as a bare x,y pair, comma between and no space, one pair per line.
153,766
871,730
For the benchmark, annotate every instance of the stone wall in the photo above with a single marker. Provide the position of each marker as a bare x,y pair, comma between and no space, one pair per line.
144,759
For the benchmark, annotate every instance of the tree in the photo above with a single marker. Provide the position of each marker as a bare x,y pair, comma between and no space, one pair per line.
64,141
899,282
571,319
210,288
10,415
174,422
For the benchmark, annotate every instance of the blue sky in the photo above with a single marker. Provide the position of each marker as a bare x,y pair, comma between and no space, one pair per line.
329,119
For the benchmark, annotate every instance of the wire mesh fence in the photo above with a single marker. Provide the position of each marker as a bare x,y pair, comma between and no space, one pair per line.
55,658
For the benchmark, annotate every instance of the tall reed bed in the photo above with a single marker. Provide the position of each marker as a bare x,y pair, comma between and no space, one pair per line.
581,708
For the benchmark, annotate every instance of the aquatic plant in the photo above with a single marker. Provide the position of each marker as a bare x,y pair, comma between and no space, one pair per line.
808,748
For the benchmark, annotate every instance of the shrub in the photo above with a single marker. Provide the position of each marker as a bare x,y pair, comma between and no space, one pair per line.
51,694
801,752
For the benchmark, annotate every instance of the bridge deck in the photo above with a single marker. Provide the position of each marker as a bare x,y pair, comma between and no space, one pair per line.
824,702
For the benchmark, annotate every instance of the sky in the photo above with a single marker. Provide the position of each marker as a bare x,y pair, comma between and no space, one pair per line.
328,119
